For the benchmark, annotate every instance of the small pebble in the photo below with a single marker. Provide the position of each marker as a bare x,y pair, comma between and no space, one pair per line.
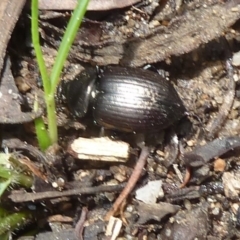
150,192
231,185
236,59
120,177
23,87
219,165
190,143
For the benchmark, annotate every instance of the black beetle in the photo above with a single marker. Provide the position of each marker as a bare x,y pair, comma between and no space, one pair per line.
125,99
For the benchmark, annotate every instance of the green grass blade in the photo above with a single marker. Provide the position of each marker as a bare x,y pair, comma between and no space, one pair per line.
50,86
48,93
37,48
67,41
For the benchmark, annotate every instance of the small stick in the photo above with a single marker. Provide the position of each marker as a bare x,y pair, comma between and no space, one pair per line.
80,224
131,182
26,197
186,178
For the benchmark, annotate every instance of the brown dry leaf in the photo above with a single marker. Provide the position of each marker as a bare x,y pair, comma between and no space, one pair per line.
196,26
94,5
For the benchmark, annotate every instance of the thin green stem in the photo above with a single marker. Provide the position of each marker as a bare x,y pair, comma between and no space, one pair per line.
37,48
48,91
52,118
43,138
50,85
67,41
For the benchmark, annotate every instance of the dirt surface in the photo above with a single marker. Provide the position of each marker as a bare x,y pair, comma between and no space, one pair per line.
190,176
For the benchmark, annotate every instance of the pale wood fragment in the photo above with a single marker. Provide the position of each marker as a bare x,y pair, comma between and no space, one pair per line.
100,149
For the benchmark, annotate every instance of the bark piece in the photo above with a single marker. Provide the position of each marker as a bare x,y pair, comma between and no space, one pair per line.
9,13
10,106
196,26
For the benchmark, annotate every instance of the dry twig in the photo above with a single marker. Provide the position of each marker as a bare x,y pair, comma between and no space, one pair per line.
131,183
